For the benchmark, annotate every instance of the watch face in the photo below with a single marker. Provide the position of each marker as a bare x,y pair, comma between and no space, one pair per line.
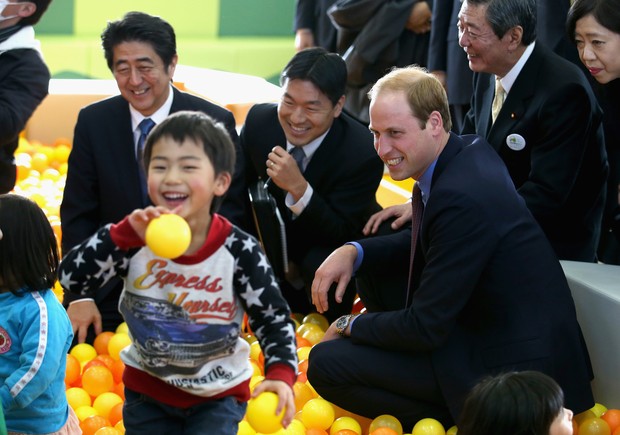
342,322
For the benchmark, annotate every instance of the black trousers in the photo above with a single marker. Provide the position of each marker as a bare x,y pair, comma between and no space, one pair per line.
371,381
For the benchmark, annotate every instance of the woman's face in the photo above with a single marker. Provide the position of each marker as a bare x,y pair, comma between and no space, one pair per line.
598,48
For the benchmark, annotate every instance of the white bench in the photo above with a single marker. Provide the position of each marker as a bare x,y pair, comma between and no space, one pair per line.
596,291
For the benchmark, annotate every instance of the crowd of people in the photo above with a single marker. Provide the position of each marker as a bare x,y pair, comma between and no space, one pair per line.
504,112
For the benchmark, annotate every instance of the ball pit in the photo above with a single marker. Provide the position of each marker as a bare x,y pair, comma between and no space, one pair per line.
94,390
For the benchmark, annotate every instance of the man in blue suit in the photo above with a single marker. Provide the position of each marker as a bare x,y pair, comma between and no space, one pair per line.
486,293
103,178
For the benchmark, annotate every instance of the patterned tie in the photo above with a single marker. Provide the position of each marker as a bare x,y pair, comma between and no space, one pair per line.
498,100
299,155
417,207
145,127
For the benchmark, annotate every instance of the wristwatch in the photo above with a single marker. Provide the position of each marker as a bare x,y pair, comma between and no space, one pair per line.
343,322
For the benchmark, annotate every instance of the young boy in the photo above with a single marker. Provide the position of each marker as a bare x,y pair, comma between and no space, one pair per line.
187,369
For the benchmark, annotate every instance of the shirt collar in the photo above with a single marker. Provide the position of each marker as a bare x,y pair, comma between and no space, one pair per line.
310,148
159,115
509,79
425,182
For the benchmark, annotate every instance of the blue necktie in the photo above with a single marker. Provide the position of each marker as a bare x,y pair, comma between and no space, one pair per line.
299,155
145,127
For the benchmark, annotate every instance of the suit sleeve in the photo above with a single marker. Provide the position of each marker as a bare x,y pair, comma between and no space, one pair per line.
80,210
22,89
304,15
461,238
437,51
559,153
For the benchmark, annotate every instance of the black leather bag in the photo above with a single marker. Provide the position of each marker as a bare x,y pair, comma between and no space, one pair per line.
270,227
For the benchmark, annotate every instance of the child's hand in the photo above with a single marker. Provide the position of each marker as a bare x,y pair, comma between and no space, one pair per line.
139,219
285,395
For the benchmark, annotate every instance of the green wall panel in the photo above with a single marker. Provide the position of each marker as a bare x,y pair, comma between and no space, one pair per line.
195,18
58,19
256,17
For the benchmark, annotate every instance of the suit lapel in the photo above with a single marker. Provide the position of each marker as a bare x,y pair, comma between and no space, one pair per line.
516,102
483,124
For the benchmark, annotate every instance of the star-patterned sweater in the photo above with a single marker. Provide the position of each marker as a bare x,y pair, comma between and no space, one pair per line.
185,315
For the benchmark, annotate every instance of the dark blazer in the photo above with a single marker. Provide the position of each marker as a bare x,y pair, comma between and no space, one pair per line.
103,184
445,53
344,173
562,170
491,295
312,14
24,79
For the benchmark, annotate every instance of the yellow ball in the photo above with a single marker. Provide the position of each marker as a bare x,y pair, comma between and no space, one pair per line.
428,426
386,420
261,413
345,423
452,431
83,412
122,328
317,414
83,352
118,342
105,402
168,236
78,397
245,428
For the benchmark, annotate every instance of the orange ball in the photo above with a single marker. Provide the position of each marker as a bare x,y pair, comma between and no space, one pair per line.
612,417
116,414
101,342
384,431
73,370
92,424
118,367
97,380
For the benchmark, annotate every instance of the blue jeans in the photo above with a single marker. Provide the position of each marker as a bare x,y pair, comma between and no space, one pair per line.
143,415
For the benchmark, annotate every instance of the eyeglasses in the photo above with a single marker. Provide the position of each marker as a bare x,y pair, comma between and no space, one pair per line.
472,36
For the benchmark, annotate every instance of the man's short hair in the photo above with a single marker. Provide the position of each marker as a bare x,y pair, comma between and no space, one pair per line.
424,92
327,71
38,13
140,27
503,15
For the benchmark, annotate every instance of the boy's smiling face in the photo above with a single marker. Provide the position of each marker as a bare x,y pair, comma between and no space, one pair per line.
182,175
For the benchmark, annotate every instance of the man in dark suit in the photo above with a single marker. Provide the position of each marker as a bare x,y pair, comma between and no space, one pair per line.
448,62
486,292
313,27
548,131
24,79
326,200
103,179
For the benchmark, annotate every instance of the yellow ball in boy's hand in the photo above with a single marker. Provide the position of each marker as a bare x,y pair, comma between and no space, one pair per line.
168,236
261,413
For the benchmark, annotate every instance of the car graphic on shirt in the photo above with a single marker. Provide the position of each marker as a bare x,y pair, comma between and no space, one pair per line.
169,341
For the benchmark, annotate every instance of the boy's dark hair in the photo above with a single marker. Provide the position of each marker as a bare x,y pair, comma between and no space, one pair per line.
140,27
34,18
514,403
202,129
28,247
327,71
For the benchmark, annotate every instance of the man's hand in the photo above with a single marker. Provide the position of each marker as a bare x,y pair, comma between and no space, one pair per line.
284,172
337,268
304,38
420,18
83,314
402,213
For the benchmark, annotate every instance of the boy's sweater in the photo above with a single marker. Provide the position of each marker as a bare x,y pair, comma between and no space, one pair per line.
185,315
